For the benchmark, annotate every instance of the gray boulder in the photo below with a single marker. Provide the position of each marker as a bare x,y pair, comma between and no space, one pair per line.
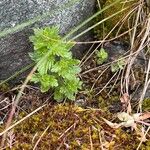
14,48
117,49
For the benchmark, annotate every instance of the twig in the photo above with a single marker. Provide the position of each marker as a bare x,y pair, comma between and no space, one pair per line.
36,144
91,142
72,126
146,84
131,60
98,78
100,139
8,123
18,122
143,136
106,84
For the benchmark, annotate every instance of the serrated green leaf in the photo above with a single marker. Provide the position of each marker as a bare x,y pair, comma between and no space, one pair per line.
45,65
44,88
117,65
71,96
58,96
114,67
49,80
102,56
35,78
55,66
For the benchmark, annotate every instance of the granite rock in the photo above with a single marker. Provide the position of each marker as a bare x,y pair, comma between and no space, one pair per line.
117,49
15,47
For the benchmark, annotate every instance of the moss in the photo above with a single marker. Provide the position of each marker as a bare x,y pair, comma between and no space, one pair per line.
102,103
71,126
4,87
146,104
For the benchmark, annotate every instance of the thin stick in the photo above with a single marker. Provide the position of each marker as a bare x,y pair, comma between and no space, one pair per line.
106,84
72,126
15,106
98,78
83,61
100,139
91,142
41,137
146,84
114,82
18,122
131,60
132,45
143,136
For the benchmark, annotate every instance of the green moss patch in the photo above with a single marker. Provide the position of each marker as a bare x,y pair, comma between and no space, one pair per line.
74,128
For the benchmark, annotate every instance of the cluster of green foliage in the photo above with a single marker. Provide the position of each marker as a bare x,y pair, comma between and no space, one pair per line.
56,69
102,56
119,65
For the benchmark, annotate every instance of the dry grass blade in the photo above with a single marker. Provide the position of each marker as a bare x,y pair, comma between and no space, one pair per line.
100,139
143,137
106,84
21,120
72,126
145,116
112,125
98,78
137,41
115,82
16,101
146,84
36,144
134,46
91,142
125,100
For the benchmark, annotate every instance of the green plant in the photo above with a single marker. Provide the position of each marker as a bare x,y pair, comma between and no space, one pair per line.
119,65
56,69
102,56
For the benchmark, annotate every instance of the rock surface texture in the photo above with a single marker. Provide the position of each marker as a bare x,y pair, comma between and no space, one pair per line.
15,47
